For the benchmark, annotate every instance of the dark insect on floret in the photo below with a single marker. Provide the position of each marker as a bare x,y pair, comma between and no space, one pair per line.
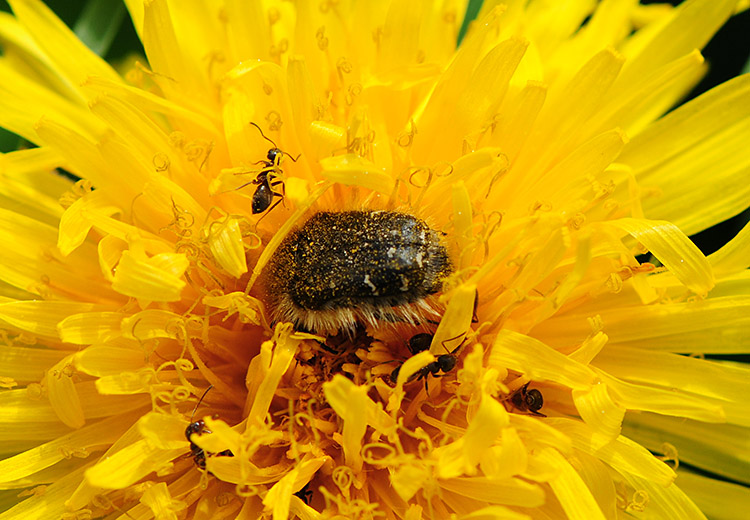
199,428
338,269
268,178
443,363
198,454
527,400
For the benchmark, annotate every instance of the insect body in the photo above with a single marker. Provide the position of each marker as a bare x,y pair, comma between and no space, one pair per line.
198,454
268,178
338,269
199,428
528,400
443,363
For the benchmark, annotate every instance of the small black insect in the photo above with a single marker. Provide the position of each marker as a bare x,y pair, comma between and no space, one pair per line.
528,400
305,494
199,428
443,363
268,178
338,269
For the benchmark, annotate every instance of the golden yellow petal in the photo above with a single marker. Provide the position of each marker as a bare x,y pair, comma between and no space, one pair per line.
160,501
84,328
717,499
569,488
660,327
622,454
669,502
353,170
279,496
350,402
690,27
674,153
530,356
273,365
79,444
75,224
50,503
74,60
674,249
724,448
40,317
128,465
63,394
600,411
158,278
227,247
163,431
508,491
697,376
734,256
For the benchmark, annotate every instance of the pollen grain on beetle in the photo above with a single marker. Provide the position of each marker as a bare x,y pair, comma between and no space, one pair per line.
325,263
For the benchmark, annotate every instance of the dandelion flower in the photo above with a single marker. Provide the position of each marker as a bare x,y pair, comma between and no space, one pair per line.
133,303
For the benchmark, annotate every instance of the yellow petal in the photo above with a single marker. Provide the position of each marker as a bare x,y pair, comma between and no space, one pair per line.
158,278
40,317
715,498
350,403
691,26
80,444
63,395
85,328
721,448
105,360
600,411
674,249
128,465
227,246
75,60
539,362
26,364
575,498
161,503
701,139
353,170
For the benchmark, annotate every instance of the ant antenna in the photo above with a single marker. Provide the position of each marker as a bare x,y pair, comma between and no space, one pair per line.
192,416
294,159
263,135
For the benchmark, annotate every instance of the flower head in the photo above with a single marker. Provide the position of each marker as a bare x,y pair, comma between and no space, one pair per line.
147,375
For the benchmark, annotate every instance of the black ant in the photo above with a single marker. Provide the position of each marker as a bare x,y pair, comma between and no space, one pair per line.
528,400
268,178
443,363
199,428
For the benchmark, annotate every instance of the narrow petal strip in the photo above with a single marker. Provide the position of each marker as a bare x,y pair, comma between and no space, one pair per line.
570,490
674,249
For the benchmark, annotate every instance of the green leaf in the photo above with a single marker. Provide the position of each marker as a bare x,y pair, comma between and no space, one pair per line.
472,10
98,24
8,141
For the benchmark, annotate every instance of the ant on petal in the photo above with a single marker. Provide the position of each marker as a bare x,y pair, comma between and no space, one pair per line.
268,178
199,428
443,363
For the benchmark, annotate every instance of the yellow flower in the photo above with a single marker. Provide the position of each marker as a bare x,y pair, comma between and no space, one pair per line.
134,305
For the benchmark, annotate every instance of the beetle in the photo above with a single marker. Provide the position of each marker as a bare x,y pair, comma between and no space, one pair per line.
343,268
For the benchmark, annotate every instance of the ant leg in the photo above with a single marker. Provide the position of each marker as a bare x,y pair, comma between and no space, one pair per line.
283,190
